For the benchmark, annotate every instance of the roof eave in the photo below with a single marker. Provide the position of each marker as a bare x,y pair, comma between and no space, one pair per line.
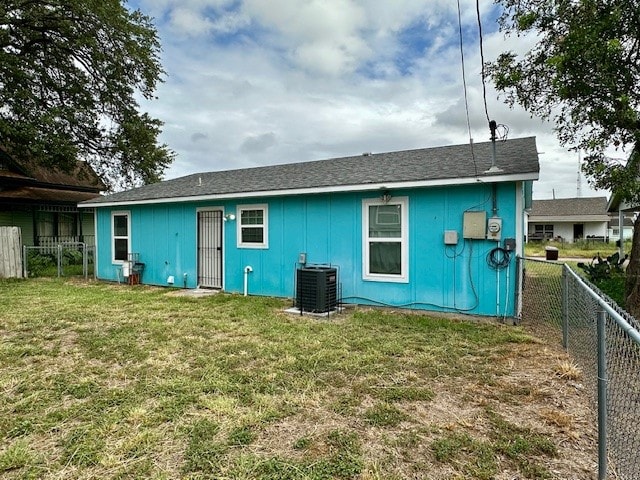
568,218
318,190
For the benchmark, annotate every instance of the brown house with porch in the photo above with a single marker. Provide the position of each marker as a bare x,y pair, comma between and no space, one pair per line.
43,201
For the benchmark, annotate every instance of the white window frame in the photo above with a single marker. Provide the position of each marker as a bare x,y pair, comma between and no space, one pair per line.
265,226
403,240
115,237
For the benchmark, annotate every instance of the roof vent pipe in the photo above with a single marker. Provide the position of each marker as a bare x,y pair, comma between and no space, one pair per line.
493,126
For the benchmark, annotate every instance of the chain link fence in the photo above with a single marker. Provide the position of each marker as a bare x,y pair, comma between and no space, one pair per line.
62,260
604,341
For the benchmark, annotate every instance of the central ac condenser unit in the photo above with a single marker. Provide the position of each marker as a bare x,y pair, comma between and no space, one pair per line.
316,289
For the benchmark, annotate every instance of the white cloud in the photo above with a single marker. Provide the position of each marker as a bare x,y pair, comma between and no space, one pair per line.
258,143
190,22
325,78
321,36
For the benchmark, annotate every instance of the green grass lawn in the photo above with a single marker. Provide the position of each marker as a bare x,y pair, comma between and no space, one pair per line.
112,381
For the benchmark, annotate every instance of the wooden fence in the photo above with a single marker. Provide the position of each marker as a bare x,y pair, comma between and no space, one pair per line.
10,252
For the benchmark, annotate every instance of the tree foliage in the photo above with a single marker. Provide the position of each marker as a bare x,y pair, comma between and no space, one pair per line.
70,75
583,74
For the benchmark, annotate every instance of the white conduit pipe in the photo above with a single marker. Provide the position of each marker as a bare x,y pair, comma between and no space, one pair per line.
247,270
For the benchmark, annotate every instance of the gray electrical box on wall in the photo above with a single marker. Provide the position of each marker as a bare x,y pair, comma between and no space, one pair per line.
474,225
510,244
450,237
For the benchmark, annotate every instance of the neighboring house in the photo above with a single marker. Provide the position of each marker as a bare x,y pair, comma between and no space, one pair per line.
621,208
613,231
404,229
568,219
43,201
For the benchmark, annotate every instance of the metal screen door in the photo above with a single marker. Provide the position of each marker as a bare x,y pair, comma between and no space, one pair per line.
210,248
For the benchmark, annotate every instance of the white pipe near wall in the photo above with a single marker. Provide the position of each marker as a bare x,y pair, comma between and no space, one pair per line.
247,270
497,292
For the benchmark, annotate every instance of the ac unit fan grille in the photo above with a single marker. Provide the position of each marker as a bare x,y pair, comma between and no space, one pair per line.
316,289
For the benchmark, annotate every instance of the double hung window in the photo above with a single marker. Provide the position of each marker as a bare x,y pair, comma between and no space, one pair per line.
252,226
385,236
120,231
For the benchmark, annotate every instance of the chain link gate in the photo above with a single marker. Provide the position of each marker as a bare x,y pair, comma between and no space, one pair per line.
61,260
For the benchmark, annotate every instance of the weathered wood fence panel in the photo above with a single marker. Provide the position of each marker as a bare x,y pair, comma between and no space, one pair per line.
10,252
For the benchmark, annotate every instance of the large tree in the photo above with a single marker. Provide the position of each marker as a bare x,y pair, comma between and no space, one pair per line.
71,72
584,75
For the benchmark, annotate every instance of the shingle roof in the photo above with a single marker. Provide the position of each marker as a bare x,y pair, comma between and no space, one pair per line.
82,177
614,221
586,206
48,195
448,164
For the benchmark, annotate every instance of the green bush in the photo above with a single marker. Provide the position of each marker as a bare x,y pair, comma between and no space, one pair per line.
613,286
72,257
39,264
608,276
601,268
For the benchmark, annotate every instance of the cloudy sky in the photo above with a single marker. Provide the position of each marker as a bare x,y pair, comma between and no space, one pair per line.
259,82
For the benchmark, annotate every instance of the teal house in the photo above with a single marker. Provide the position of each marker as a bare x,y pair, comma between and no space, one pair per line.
435,228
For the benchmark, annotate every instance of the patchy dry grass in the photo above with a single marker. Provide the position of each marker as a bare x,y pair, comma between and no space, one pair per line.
111,381
586,249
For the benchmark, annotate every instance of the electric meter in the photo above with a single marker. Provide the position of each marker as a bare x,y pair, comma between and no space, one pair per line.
494,228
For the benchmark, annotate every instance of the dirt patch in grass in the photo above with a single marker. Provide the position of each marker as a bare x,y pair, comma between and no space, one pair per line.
532,395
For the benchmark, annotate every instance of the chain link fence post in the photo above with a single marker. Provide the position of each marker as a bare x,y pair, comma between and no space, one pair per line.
25,261
59,260
85,262
565,308
602,394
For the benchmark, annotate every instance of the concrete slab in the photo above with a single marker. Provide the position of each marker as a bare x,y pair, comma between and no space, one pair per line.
194,292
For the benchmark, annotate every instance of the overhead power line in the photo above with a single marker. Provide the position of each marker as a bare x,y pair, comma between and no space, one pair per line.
484,83
464,87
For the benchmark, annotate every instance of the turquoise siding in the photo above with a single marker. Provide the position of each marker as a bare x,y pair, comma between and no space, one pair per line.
164,236
328,228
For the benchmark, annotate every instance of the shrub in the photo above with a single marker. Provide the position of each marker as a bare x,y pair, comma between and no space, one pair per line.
72,257
600,268
39,263
608,275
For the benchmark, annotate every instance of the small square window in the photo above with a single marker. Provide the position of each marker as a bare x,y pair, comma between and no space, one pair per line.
252,226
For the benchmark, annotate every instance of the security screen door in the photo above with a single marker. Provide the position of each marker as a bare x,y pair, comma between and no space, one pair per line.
210,248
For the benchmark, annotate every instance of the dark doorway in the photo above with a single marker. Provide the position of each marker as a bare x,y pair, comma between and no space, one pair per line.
578,231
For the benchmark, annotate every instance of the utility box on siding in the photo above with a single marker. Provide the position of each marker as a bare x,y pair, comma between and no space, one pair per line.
316,289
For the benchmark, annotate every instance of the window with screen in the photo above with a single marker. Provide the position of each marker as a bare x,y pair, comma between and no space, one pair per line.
252,226
385,227
120,236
